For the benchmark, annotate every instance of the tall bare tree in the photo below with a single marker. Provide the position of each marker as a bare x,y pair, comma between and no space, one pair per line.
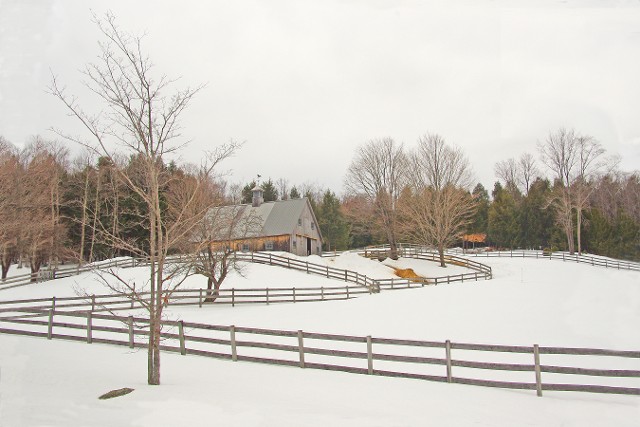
216,238
10,173
518,174
439,206
559,153
143,120
378,172
573,159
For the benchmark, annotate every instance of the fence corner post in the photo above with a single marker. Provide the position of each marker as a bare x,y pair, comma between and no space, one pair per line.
536,357
301,347
447,346
89,327
50,325
183,348
131,334
369,355
234,352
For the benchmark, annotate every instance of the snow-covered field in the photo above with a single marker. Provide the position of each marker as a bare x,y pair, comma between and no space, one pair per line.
529,301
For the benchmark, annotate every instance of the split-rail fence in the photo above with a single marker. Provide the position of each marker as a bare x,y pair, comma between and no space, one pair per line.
356,354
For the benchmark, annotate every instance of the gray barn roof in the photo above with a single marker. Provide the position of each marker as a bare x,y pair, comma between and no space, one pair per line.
268,219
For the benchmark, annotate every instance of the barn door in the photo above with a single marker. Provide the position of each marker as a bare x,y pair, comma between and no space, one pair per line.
308,246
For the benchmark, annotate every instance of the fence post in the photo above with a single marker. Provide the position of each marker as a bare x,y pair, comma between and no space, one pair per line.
267,296
89,328
322,292
294,294
369,355
50,325
200,298
447,346
536,358
183,348
93,303
301,348
234,353
347,291
53,303
233,295
131,341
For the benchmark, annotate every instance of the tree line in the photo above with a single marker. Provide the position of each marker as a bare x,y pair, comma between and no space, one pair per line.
572,198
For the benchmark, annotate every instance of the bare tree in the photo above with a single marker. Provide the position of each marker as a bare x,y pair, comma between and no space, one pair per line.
528,171
573,159
518,174
10,172
507,171
559,153
282,185
439,206
216,239
143,120
378,172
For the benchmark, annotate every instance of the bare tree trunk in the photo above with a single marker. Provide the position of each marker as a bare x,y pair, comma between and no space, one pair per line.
96,215
83,222
441,255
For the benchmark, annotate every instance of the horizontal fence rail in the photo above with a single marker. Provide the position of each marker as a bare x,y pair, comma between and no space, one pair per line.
561,256
481,271
253,257
183,297
447,361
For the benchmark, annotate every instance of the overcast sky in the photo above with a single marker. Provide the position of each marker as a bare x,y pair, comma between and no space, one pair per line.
306,82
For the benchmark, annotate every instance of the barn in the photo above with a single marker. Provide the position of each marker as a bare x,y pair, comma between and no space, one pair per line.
283,225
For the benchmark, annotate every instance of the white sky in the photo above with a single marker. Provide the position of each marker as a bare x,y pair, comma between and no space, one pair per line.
305,82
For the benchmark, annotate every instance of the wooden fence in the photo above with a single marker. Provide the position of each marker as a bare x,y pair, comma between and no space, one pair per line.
562,256
356,354
253,257
60,273
406,249
183,297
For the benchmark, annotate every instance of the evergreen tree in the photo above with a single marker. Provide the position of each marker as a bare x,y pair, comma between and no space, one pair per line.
333,225
536,222
480,218
503,228
294,194
247,192
270,191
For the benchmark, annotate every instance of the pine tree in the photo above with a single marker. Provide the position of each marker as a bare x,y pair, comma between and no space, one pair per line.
503,228
333,225
480,219
294,194
247,192
270,191
536,222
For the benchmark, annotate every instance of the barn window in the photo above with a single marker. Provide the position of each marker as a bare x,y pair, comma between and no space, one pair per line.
299,221
313,225
245,247
294,244
268,246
